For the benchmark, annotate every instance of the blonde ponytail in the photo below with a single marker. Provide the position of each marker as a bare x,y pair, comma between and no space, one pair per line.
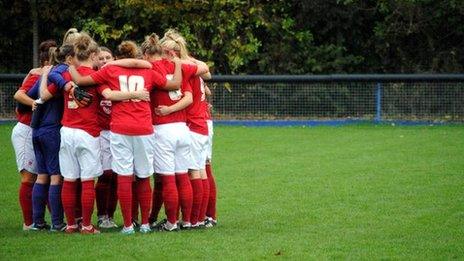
173,40
151,45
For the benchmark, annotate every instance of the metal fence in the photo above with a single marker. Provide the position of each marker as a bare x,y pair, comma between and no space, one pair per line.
414,98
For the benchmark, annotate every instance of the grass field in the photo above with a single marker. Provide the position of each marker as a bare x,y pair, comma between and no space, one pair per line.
354,192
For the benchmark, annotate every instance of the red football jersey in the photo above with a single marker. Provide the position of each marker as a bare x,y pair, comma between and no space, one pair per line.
207,111
168,98
25,117
104,110
130,117
196,112
84,118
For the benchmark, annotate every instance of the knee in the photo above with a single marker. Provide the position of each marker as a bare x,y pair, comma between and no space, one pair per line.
55,180
27,177
42,179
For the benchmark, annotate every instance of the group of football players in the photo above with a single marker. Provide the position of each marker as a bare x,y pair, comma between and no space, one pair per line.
93,127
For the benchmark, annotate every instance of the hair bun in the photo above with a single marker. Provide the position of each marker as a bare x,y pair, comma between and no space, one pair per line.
153,38
83,42
44,46
127,49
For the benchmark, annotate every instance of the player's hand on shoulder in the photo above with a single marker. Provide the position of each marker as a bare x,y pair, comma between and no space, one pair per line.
46,69
36,71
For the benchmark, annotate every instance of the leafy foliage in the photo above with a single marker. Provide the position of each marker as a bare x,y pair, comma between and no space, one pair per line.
261,36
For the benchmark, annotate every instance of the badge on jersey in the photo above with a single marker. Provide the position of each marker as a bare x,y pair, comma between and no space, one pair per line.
174,95
106,106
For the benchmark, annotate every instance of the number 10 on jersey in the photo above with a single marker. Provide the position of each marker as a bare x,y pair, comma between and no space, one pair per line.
131,84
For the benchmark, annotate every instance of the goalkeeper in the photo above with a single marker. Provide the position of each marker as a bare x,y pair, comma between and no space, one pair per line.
80,153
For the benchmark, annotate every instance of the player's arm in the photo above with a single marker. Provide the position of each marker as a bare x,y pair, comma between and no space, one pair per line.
207,91
79,79
206,76
21,97
44,93
55,76
164,110
122,96
175,82
202,67
37,71
131,63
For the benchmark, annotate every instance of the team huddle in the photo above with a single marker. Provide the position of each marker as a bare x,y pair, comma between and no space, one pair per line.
84,116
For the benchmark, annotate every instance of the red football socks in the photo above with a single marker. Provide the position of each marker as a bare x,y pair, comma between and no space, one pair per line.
197,188
185,195
135,202
205,198
113,195
102,192
211,210
157,201
25,201
125,198
144,197
68,199
87,201
170,197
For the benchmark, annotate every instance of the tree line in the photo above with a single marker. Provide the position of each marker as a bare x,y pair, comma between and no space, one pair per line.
257,37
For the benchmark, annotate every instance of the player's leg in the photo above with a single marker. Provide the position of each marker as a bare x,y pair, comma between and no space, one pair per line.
78,208
106,203
198,178
21,138
157,200
88,155
183,161
204,179
205,198
39,200
211,209
197,192
69,168
112,200
135,204
40,188
164,166
25,197
122,164
102,191
143,169
52,142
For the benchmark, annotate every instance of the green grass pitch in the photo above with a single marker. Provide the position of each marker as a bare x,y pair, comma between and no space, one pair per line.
353,192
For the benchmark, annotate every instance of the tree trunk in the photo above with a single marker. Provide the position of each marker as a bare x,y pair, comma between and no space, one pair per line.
35,33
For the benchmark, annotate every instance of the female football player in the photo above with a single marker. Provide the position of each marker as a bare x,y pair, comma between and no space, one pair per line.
172,152
196,121
131,130
80,147
46,126
21,136
106,186
211,219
